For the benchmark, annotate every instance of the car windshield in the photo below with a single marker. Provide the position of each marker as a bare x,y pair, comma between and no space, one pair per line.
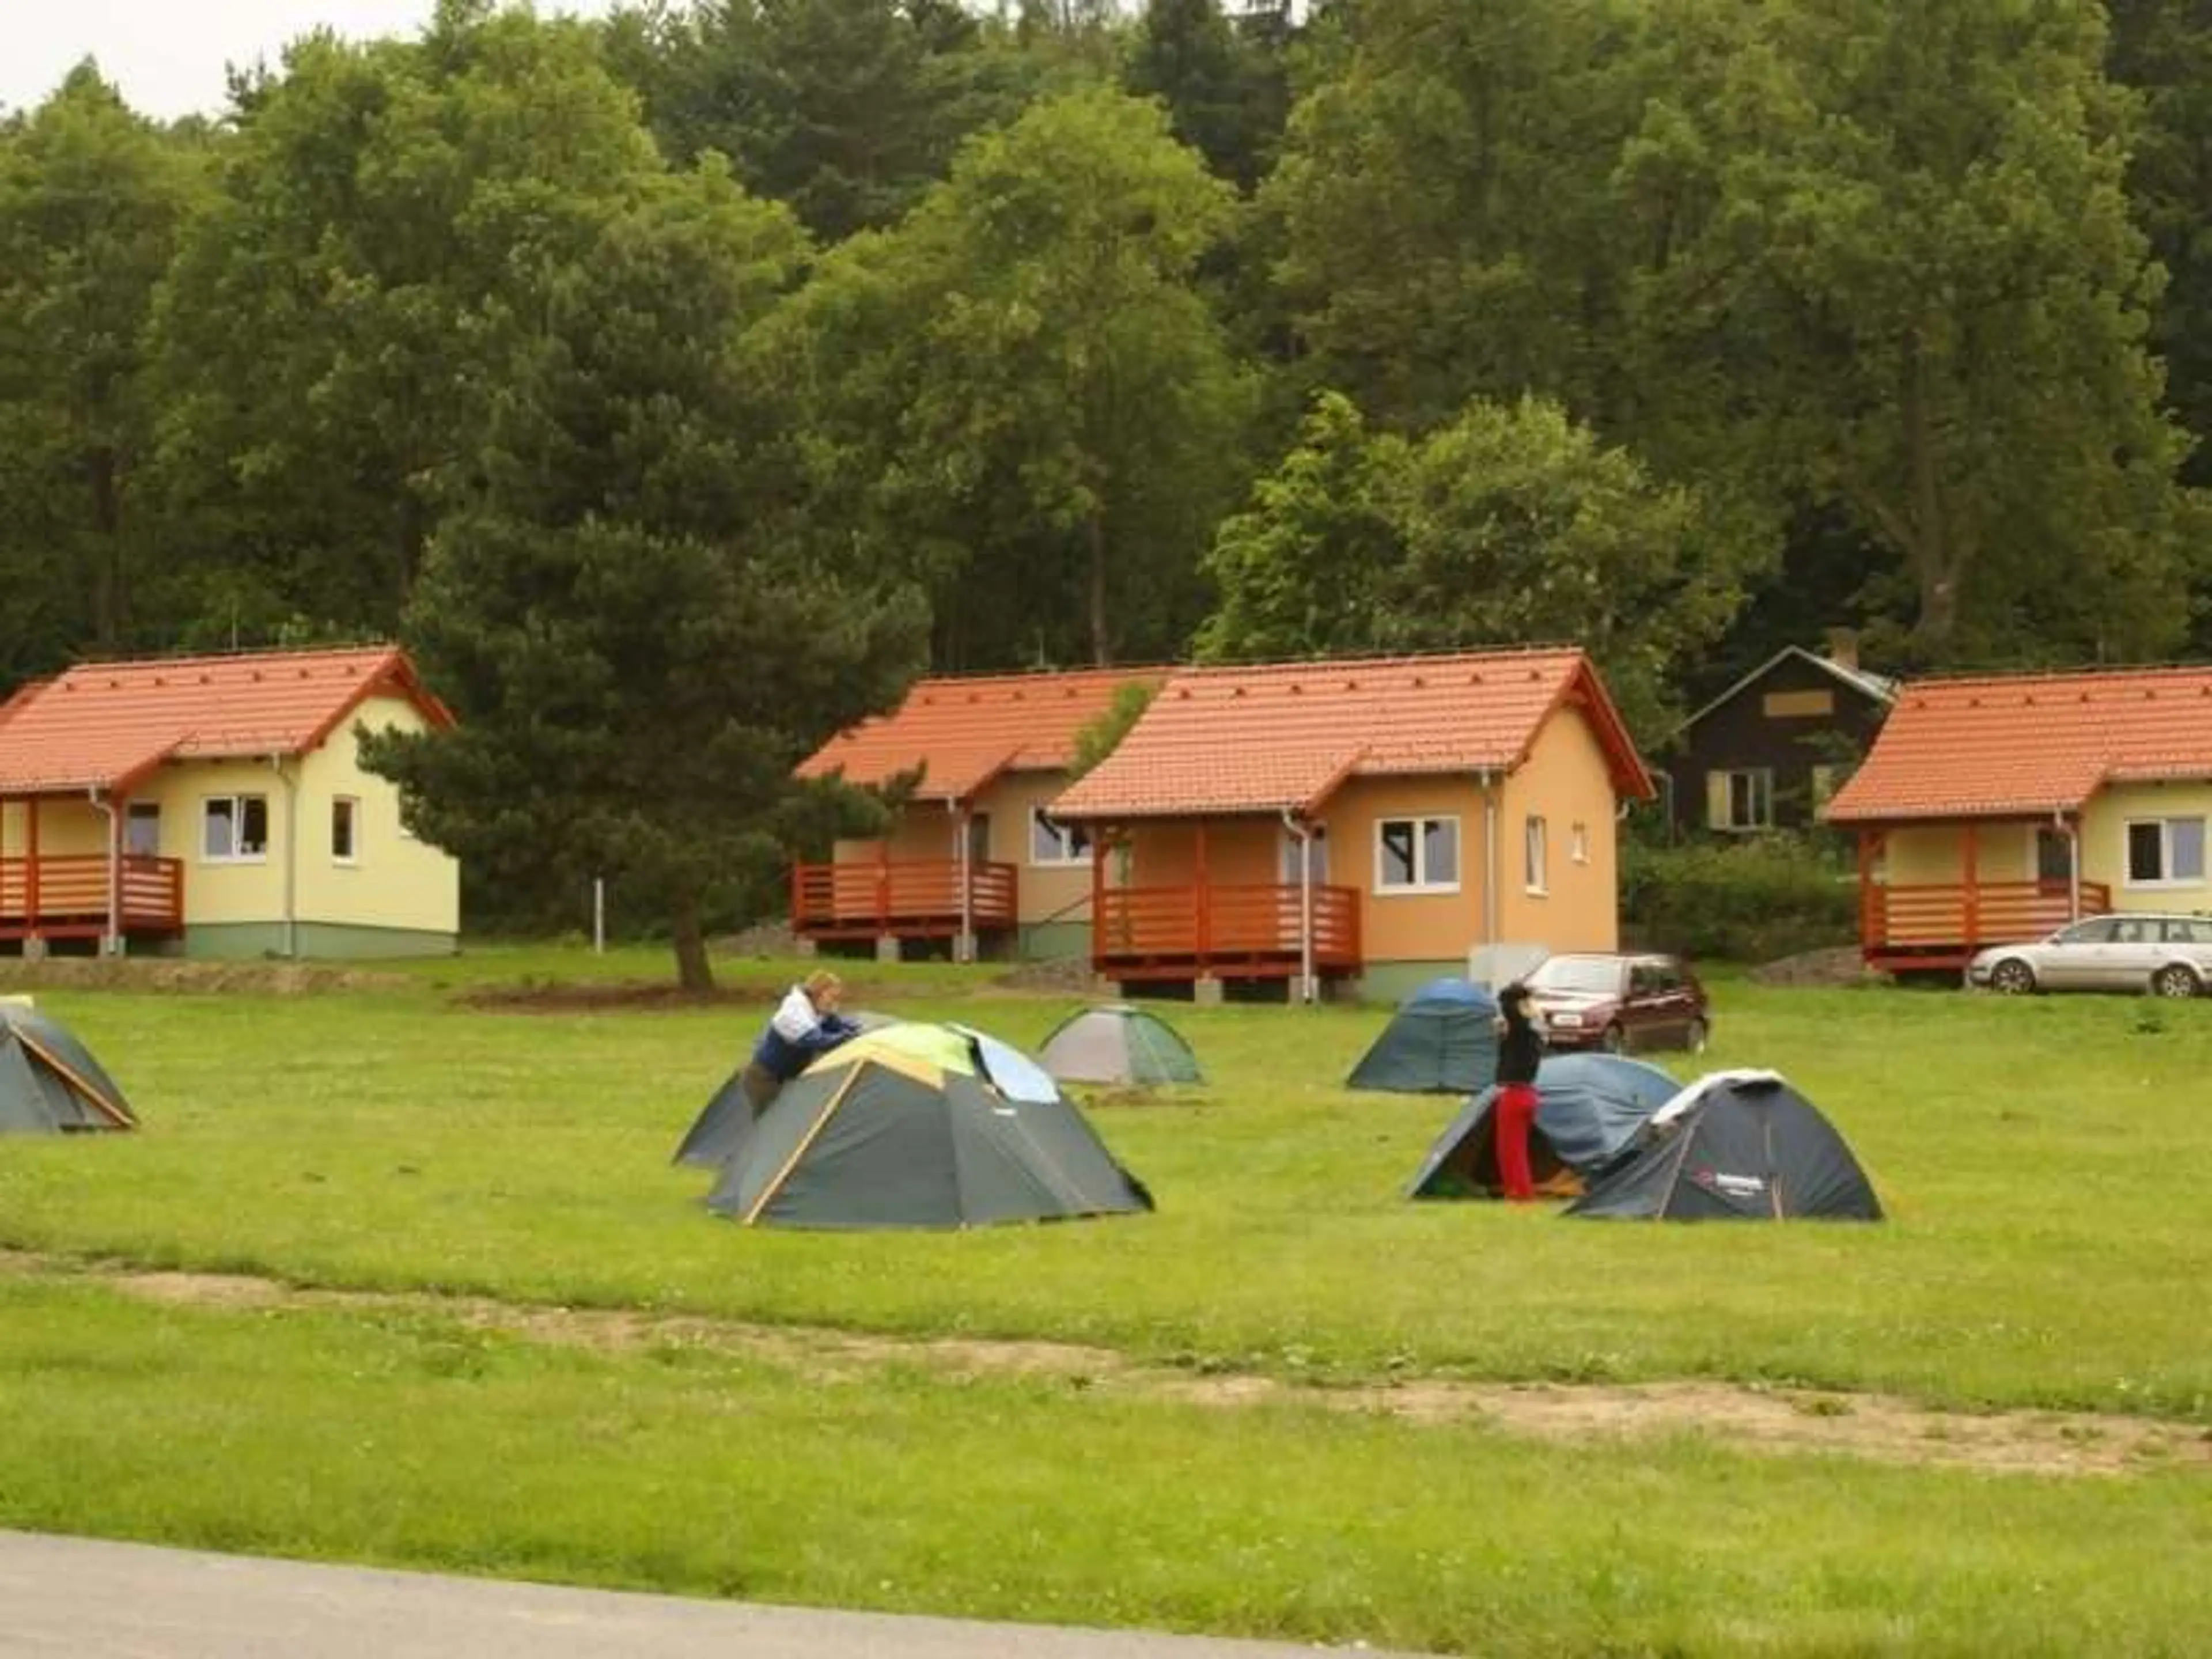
1585,974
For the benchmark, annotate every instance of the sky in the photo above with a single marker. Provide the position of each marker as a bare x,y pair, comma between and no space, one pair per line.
168,55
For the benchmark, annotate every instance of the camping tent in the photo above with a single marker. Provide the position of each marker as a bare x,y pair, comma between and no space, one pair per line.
727,1115
1116,1043
906,1127
1734,1146
1588,1109
49,1081
1442,1040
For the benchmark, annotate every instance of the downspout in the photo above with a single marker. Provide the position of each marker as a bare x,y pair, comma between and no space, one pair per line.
291,856
2073,865
112,945
966,952
1489,784
1305,905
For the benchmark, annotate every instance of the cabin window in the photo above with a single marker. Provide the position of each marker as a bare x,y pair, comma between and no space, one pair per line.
141,829
1417,855
1294,857
234,829
1798,705
2166,852
345,829
1578,843
1536,854
1740,801
1053,843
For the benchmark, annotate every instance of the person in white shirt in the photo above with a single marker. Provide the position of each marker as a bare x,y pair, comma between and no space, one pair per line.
806,1023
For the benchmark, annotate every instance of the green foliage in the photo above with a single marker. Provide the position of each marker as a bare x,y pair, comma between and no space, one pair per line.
1103,735
1506,527
1227,91
1751,900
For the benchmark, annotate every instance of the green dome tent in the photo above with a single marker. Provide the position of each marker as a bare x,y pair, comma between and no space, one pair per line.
1734,1146
1442,1040
1589,1109
50,1084
1116,1043
922,1125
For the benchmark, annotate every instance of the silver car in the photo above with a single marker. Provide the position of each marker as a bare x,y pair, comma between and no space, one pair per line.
2168,956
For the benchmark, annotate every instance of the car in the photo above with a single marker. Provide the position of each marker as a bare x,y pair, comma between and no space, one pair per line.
2168,956
1618,1003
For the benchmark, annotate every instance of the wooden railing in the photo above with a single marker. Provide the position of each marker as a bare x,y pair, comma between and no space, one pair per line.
911,898
72,896
1171,932
1944,921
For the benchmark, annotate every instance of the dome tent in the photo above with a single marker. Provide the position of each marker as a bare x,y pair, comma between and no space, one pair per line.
1117,1043
1734,1146
911,1127
50,1084
1442,1040
1589,1109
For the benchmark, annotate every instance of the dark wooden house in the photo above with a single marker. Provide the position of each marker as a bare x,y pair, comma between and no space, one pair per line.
1769,752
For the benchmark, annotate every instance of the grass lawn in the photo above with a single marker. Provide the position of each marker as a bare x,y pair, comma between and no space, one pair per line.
2048,1165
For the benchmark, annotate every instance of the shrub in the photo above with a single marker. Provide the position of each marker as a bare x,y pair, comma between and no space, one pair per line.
1741,901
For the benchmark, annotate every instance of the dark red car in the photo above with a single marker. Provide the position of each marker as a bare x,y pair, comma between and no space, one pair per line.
1621,1003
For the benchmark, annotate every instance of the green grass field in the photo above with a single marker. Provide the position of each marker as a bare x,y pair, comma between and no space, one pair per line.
2048,1166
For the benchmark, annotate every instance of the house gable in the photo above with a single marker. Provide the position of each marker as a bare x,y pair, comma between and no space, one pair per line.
1794,714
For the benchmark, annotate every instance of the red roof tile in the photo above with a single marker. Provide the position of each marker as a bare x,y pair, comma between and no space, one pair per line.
2031,744
964,732
1226,740
102,725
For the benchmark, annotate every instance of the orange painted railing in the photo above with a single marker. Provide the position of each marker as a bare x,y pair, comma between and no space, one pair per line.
1166,930
1960,917
71,891
899,897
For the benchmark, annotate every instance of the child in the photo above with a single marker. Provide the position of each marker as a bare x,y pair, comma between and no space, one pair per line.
805,1025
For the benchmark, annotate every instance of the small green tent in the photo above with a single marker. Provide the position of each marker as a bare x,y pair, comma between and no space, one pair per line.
50,1084
1117,1043
1442,1040
920,1126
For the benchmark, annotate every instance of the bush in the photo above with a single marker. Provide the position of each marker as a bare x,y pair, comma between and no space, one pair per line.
1739,901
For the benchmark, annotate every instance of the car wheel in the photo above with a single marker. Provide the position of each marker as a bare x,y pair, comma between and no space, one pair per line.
2012,976
1612,1039
2175,980
1700,1034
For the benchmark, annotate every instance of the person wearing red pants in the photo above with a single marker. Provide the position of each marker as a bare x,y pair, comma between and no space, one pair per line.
1520,1052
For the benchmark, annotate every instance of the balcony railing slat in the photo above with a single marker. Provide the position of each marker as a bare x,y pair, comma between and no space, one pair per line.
73,893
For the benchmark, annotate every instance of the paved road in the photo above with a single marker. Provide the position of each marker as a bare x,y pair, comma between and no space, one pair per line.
85,1600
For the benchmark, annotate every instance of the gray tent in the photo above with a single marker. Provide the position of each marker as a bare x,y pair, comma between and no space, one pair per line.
1116,1043
1588,1111
907,1127
1734,1146
49,1081
1442,1040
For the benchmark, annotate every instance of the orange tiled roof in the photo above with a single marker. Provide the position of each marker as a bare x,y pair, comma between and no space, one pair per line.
103,725
2029,743
1226,740
964,732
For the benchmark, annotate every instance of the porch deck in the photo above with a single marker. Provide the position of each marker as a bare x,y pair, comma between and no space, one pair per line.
66,896
901,898
1940,926
1237,932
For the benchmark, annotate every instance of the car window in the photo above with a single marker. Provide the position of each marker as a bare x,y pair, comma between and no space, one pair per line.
2184,930
1594,974
1643,982
2132,932
2098,932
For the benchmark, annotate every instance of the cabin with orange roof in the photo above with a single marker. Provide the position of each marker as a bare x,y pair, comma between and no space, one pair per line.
1357,825
215,806
1996,809
974,864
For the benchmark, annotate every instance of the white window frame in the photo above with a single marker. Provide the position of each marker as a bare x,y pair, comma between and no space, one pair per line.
351,856
1421,823
1763,787
1064,835
237,804
2163,881
1536,856
1578,843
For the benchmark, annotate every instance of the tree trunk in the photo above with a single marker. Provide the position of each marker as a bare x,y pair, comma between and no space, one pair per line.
693,970
1102,642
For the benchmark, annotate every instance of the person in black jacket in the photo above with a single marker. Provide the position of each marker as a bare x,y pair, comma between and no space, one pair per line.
1520,1053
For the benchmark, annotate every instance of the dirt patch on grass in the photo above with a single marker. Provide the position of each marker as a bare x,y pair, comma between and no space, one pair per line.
1841,964
1734,1417
156,974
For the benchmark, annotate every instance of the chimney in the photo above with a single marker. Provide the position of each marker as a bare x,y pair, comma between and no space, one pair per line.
1843,647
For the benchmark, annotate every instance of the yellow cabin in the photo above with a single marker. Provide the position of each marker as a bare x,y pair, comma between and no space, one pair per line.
215,806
